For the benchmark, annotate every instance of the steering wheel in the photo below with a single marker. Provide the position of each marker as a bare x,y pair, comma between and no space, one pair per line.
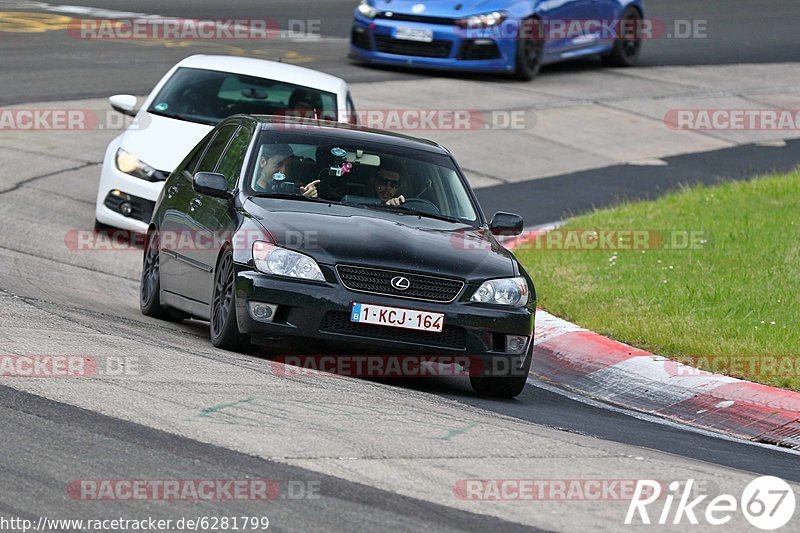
421,204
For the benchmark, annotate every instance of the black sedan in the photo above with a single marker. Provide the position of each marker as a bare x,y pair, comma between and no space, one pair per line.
335,239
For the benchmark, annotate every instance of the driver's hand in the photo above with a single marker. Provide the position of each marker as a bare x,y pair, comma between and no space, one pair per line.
310,190
396,201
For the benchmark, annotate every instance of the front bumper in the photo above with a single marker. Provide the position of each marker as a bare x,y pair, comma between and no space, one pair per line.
374,41
318,313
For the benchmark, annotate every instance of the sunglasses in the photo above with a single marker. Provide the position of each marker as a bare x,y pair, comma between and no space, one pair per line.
387,182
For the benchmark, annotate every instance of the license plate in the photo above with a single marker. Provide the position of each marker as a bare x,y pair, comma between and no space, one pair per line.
397,317
414,34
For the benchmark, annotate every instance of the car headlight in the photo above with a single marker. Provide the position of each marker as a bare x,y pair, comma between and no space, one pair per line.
504,291
366,10
130,164
484,20
271,259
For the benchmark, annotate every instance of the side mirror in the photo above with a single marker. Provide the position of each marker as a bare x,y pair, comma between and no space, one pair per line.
123,103
506,224
211,183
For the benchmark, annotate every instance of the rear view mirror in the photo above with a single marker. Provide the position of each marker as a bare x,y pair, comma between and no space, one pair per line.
210,183
506,224
123,103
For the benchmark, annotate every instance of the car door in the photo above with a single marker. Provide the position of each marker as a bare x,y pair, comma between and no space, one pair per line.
214,219
177,194
564,22
190,273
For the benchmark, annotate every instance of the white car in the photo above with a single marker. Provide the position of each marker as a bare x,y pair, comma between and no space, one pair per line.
184,106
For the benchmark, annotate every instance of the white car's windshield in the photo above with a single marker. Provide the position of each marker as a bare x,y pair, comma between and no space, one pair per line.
208,96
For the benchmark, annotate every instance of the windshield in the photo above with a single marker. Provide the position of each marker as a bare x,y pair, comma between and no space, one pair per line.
379,176
208,96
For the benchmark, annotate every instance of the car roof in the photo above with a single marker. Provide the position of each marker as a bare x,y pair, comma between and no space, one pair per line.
347,132
267,69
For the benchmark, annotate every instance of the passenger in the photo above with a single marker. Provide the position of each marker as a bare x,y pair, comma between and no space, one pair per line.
274,163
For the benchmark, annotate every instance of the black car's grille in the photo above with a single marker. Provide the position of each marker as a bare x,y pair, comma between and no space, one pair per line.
380,282
417,18
436,49
339,322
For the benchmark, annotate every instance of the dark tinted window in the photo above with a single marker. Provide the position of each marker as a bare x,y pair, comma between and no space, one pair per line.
231,163
209,161
209,96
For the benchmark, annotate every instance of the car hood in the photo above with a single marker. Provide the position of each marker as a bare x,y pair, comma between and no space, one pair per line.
441,8
334,234
162,142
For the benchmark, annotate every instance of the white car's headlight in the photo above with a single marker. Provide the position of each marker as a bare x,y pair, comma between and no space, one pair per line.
504,291
484,20
271,259
130,164
367,10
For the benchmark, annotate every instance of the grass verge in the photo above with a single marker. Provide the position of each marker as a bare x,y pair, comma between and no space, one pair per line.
707,275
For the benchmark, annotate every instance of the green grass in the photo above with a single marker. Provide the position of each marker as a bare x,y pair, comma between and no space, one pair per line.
736,295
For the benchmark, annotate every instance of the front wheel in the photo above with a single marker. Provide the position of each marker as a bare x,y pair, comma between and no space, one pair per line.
224,329
530,50
628,44
503,386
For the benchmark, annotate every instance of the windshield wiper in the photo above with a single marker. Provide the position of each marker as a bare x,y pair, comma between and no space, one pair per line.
184,118
407,210
290,196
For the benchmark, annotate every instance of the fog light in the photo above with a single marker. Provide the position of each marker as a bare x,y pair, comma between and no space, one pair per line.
125,208
516,343
261,311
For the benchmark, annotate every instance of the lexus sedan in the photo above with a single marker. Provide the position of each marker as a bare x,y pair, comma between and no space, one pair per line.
338,239
500,36
194,96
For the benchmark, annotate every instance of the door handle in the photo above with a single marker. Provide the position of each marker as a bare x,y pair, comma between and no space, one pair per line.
196,203
172,191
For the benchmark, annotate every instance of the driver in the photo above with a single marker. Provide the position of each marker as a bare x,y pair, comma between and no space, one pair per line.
274,163
387,181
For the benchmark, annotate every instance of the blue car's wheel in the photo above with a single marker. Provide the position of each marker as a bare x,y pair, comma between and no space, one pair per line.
530,50
629,41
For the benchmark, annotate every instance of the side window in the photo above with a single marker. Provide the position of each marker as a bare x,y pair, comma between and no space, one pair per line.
209,161
231,163
191,164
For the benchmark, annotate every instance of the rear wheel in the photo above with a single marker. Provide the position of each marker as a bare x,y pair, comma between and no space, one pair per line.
224,329
530,49
628,45
503,386
150,285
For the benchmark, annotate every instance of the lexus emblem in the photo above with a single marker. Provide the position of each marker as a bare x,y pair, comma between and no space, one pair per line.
400,283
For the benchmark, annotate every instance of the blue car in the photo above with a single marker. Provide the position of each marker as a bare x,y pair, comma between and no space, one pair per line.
502,36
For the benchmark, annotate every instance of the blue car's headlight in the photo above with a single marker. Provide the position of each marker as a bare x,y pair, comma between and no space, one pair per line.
367,10
503,291
130,164
271,259
484,20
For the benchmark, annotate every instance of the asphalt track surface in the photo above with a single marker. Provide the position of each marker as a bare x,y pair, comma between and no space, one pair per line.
47,442
53,65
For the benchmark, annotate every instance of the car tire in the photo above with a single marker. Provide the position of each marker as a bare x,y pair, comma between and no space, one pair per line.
530,51
503,386
628,45
224,330
150,284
